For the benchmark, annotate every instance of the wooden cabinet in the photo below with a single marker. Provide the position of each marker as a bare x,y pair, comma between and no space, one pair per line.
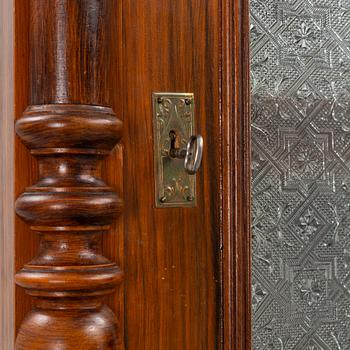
97,265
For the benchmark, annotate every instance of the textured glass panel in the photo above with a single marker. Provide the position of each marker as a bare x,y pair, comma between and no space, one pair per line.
300,68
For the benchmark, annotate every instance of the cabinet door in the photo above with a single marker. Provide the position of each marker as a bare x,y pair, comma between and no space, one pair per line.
111,250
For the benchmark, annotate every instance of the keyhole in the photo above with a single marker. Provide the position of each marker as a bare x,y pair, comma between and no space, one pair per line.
174,142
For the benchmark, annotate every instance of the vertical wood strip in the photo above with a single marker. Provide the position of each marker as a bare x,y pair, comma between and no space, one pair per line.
22,158
6,176
236,176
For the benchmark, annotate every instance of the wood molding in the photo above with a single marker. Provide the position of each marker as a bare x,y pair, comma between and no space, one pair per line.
7,300
235,151
69,128
236,176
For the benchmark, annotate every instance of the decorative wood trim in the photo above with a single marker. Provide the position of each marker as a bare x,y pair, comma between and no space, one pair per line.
236,176
69,128
7,300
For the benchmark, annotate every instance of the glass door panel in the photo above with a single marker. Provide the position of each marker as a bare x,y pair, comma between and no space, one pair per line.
300,76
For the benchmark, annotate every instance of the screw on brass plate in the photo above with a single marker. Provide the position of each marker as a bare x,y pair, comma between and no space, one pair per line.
190,198
162,199
175,149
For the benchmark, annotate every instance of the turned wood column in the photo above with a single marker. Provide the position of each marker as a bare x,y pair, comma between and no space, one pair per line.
69,128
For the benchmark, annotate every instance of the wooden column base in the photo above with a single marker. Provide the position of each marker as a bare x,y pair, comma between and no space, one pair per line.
65,327
70,207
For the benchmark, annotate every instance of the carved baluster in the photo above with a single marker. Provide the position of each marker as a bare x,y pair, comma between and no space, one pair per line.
69,130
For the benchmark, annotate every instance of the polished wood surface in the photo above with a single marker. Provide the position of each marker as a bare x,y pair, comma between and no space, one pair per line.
172,290
187,269
69,129
236,177
7,302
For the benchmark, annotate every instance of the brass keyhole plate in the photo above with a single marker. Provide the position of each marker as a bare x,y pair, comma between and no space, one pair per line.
172,112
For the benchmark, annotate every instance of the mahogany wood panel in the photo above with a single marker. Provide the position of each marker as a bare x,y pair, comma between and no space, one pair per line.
172,290
6,176
187,270
26,171
236,176
69,129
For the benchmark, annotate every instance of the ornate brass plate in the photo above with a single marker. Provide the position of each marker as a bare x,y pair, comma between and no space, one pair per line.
173,113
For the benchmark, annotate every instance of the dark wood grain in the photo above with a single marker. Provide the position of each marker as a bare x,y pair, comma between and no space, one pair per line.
7,301
25,166
69,129
187,270
172,291
70,57
236,176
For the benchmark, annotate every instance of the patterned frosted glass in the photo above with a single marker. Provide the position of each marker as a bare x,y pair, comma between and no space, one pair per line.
300,69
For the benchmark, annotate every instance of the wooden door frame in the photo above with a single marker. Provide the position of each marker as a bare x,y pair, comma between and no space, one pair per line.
236,176
235,229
